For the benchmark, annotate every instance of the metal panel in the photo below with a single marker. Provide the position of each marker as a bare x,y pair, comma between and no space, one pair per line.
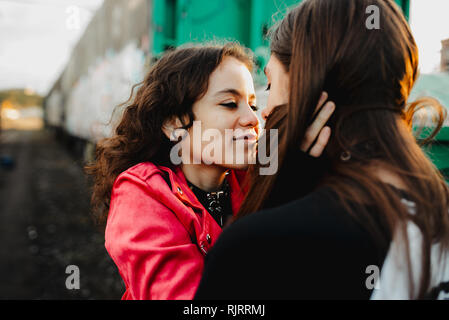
176,22
405,6
199,21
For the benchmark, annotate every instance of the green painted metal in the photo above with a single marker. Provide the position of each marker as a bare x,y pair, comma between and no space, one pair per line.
161,27
442,136
201,21
176,22
435,85
264,14
438,149
439,153
405,6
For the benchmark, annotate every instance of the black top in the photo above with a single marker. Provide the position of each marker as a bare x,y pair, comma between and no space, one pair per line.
305,249
217,203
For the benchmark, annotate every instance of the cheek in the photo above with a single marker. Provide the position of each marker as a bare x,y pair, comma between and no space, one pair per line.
284,90
270,103
215,124
274,100
280,92
278,95
220,122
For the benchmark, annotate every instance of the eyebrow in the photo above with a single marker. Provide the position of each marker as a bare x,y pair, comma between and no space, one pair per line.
233,92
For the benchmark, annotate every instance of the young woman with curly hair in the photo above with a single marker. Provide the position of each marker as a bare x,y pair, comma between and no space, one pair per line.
163,217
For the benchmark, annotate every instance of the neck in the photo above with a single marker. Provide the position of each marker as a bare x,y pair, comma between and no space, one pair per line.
206,177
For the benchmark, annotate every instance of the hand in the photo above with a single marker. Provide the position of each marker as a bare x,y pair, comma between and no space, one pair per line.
317,128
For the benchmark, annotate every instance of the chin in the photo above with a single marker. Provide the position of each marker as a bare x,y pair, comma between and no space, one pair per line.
240,166
236,166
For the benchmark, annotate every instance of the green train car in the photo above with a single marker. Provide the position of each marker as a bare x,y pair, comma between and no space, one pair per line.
438,152
176,22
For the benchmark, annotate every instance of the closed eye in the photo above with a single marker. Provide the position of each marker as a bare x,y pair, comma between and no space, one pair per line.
231,105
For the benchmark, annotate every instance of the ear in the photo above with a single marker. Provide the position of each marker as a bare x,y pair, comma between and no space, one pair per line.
170,125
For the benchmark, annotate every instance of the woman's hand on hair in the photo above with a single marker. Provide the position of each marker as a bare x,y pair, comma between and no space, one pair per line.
318,128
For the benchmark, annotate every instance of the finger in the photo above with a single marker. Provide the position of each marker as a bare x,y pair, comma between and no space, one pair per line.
315,128
322,100
321,143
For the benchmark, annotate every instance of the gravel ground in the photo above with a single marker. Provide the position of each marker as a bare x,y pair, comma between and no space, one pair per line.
45,224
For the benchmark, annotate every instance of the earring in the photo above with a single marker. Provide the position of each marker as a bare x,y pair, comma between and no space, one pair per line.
345,156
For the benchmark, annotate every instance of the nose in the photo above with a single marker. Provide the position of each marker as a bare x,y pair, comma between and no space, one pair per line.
265,113
249,118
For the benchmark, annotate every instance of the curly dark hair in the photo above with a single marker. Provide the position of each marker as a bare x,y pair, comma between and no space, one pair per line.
171,87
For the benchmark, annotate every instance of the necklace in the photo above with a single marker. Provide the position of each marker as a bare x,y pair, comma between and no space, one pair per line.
217,203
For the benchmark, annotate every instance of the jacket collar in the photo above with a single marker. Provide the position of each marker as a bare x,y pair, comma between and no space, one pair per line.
180,187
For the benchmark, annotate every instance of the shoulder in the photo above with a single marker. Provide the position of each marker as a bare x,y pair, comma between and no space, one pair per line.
308,248
319,214
141,192
318,221
143,206
145,174
142,171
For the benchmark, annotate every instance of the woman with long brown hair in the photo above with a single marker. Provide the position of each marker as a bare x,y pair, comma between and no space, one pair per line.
375,222
165,206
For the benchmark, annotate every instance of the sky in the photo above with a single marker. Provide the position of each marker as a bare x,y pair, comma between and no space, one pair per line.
429,20
37,36
36,39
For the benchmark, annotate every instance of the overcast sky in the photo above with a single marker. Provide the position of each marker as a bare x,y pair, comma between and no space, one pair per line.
36,37
429,20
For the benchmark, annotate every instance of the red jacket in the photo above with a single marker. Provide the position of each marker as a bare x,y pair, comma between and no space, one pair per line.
158,233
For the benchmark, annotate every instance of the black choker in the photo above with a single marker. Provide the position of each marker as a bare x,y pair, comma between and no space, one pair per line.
217,203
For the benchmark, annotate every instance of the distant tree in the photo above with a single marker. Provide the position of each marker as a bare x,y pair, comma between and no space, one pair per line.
20,98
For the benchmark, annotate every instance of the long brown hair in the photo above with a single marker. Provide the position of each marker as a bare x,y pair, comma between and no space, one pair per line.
171,87
326,46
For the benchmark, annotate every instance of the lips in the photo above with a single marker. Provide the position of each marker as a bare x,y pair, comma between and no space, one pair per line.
247,137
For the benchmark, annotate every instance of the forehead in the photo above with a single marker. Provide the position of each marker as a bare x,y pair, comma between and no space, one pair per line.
272,64
231,74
